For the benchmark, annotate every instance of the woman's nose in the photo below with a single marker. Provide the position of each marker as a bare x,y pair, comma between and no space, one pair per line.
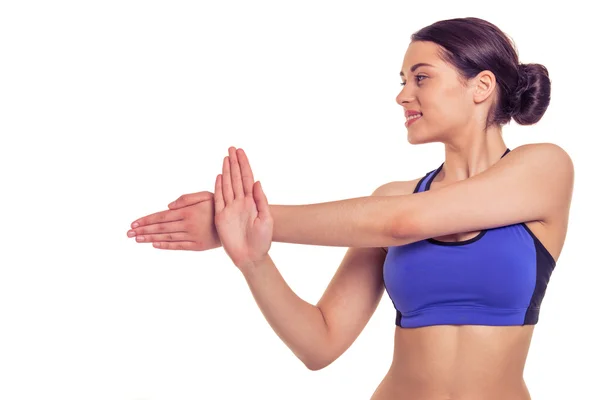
404,97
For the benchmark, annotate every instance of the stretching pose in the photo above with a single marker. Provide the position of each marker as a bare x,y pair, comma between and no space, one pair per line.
464,251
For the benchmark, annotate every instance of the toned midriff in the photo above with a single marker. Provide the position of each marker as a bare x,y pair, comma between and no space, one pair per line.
457,362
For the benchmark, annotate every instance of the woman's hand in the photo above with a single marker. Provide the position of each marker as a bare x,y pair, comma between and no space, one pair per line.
189,224
187,228
242,217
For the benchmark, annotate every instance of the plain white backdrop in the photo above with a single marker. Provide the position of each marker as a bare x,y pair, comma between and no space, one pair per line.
109,110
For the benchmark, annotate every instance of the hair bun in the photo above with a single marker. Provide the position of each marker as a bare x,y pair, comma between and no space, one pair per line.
531,96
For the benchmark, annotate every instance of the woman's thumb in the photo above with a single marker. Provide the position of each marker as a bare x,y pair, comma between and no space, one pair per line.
189,199
262,205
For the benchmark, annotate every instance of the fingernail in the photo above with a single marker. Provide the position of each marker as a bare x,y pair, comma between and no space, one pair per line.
131,233
135,225
140,238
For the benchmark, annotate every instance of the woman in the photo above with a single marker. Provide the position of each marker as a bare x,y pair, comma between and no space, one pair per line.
465,252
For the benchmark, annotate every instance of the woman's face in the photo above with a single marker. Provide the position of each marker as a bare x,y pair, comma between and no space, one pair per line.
449,109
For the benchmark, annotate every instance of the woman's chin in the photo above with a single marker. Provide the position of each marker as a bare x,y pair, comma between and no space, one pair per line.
414,139
416,136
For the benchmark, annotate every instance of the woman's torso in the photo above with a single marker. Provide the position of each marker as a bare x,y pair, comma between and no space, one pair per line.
464,362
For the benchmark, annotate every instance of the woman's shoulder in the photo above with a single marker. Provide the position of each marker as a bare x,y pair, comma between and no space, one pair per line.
545,149
547,164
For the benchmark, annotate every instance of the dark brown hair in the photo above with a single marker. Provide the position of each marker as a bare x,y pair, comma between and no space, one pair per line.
473,45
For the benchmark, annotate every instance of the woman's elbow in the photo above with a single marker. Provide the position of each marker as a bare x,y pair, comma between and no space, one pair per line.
402,230
317,365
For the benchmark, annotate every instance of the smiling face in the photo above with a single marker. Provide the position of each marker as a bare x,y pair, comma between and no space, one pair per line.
450,108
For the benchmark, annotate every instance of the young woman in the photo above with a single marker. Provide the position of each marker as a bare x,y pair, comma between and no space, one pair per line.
465,252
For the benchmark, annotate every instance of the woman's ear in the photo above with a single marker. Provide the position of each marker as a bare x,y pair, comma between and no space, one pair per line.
485,84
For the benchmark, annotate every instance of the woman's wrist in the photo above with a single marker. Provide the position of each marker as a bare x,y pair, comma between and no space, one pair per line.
251,266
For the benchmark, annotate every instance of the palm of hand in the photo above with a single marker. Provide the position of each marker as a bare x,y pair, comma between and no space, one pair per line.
242,216
245,237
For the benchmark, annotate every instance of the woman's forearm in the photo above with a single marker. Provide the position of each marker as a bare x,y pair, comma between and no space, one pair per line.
357,222
299,324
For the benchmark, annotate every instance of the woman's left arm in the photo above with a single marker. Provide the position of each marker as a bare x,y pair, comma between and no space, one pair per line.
531,183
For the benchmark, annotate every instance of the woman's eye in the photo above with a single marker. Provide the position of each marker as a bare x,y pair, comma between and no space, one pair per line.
417,77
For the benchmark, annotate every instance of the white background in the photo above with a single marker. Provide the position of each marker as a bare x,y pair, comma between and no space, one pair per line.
109,110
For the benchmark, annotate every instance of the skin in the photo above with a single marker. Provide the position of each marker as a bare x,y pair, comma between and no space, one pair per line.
532,184
242,217
449,361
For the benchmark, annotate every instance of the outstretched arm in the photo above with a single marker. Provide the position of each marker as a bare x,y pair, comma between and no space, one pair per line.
531,183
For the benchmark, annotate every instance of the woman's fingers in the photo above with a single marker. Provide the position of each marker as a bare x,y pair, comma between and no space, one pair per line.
236,174
159,217
246,171
164,237
226,182
262,204
175,245
166,227
219,202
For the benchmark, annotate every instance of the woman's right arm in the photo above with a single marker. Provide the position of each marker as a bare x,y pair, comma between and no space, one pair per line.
319,334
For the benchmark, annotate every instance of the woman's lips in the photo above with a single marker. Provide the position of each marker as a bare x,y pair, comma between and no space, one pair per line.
411,121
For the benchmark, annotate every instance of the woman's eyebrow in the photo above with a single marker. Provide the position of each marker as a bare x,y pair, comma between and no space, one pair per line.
417,65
